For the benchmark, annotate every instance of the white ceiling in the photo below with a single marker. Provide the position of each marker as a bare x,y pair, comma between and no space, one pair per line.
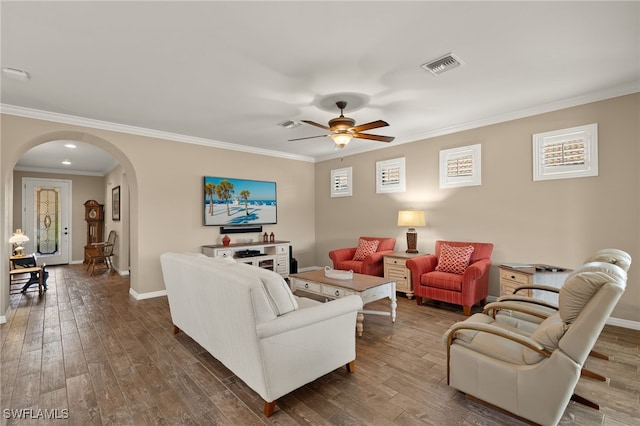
224,73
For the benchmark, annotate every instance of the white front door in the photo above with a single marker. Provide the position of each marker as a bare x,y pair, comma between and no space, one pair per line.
46,207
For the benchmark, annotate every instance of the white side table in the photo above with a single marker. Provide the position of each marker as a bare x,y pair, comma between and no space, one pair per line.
395,268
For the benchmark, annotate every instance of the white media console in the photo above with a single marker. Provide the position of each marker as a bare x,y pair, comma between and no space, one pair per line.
273,256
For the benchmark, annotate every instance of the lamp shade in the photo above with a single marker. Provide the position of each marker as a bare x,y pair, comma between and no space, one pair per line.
18,237
411,218
341,139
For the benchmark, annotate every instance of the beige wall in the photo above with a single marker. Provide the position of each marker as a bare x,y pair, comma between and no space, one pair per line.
114,179
560,222
83,188
165,192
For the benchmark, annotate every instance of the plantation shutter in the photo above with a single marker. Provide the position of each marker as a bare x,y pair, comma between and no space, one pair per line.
460,166
390,175
564,153
341,182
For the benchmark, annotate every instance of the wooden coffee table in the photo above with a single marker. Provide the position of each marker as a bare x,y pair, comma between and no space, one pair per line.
368,287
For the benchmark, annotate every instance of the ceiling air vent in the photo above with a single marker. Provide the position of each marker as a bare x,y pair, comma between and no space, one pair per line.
290,124
442,64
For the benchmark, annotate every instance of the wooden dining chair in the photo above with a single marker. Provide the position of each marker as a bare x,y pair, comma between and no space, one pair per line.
102,253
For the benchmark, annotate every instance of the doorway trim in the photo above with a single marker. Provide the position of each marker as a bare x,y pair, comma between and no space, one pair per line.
27,208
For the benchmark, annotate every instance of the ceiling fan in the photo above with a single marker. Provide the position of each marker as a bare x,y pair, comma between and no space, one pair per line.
343,129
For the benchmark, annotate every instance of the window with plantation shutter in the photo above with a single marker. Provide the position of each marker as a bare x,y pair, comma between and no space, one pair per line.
341,182
460,166
566,153
390,176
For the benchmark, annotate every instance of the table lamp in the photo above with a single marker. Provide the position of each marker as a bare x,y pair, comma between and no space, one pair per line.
18,240
411,218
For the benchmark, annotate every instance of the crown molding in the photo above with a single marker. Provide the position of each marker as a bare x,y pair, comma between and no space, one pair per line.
58,171
500,118
140,131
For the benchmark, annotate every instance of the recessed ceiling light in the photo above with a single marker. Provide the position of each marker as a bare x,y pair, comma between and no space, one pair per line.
69,145
66,162
15,73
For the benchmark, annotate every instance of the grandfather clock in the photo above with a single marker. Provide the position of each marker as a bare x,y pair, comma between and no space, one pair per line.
94,215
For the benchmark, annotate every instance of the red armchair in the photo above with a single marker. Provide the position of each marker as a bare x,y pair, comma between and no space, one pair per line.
466,286
371,264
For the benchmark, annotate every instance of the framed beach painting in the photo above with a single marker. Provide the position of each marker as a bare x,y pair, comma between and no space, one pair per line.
231,201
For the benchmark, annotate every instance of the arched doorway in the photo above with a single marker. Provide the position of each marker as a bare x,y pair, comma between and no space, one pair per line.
123,176
51,182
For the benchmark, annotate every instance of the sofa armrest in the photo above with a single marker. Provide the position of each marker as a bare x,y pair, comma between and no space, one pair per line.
420,265
376,257
339,255
374,263
537,287
492,308
528,300
477,269
451,334
314,314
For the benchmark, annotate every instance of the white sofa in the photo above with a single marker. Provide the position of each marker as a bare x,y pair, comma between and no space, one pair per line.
248,319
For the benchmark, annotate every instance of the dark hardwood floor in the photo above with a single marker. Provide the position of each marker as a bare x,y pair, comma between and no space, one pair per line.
88,353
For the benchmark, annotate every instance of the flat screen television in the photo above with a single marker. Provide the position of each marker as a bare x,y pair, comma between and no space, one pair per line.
241,202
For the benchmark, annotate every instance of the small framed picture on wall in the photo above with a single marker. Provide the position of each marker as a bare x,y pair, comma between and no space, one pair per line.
115,203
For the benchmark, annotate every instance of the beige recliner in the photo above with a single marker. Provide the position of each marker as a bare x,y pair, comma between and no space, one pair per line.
533,376
542,309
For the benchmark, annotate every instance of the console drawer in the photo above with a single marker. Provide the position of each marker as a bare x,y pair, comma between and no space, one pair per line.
309,286
519,277
389,260
335,292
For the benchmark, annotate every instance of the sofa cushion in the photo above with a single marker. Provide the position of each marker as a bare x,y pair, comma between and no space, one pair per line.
454,259
280,295
278,292
365,248
443,280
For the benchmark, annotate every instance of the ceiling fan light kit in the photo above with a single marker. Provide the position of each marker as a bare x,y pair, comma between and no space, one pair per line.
341,139
343,129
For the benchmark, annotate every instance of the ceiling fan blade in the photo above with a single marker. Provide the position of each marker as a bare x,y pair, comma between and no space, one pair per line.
313,123
369,126
309,137
374,137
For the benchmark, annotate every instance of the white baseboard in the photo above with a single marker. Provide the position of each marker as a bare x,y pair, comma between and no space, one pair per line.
618,322
119,271
150,295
